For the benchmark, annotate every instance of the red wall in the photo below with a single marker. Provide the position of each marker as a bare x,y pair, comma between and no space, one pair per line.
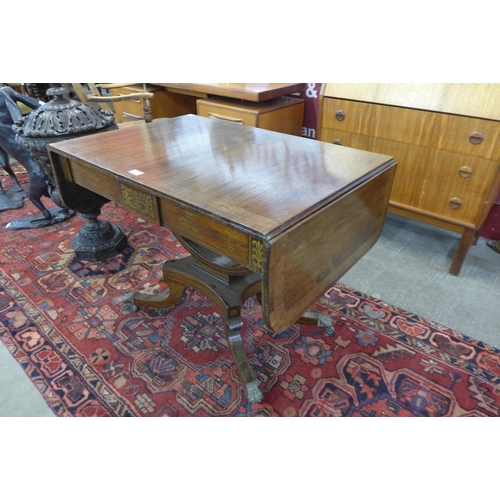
311,105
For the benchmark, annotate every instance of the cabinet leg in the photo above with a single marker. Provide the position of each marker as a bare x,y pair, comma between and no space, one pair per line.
463,247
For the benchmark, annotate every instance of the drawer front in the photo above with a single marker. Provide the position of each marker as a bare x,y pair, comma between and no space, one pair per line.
139,201
129,111
213,234
226,113
439,182
458,134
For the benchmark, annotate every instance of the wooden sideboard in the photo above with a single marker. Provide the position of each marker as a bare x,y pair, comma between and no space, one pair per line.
444,136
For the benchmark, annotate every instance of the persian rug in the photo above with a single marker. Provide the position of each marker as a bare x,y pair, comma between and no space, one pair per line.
90,353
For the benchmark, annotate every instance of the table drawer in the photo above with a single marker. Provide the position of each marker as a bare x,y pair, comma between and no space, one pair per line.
283,114
459,134
448,184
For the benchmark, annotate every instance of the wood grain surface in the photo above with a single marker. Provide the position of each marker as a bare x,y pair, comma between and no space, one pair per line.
255,92
256,179
298,212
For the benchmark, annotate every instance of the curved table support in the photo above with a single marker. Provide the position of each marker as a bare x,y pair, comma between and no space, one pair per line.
203,271
228,295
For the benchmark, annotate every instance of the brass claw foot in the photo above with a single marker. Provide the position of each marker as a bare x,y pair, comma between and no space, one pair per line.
253,392
129,299
324,321
317,319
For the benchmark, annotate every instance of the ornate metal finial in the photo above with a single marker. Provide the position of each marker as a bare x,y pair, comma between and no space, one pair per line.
58,120
62,116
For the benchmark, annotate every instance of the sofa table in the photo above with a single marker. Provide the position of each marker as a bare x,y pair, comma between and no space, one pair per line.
261,212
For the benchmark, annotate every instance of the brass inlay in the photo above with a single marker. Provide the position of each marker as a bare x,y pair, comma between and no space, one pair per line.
138,201
256,255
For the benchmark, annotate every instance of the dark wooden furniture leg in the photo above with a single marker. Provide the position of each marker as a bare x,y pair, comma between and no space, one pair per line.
228,285
228,297
224,282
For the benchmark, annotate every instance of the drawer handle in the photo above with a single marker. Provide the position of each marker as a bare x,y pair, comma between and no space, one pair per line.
133,117
455,203
476,138
340,115
338,142
465,172
239,121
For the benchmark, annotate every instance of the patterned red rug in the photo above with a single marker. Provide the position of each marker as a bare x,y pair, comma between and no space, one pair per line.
91,354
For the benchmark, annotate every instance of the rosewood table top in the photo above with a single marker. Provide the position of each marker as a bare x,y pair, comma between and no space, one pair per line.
251,186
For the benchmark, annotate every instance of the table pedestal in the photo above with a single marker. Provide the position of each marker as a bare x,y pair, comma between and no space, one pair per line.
228,285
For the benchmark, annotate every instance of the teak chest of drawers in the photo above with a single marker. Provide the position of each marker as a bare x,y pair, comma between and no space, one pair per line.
445,138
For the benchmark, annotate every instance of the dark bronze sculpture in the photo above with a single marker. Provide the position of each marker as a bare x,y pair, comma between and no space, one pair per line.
9,113
59,120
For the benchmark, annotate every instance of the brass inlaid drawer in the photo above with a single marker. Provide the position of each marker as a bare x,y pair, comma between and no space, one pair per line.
214,235
459,134
140,202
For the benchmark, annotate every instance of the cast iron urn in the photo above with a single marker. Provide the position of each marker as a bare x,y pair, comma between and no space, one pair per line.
58,120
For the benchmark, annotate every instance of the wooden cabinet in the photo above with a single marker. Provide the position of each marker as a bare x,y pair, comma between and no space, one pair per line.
445,138
164,104
282,114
